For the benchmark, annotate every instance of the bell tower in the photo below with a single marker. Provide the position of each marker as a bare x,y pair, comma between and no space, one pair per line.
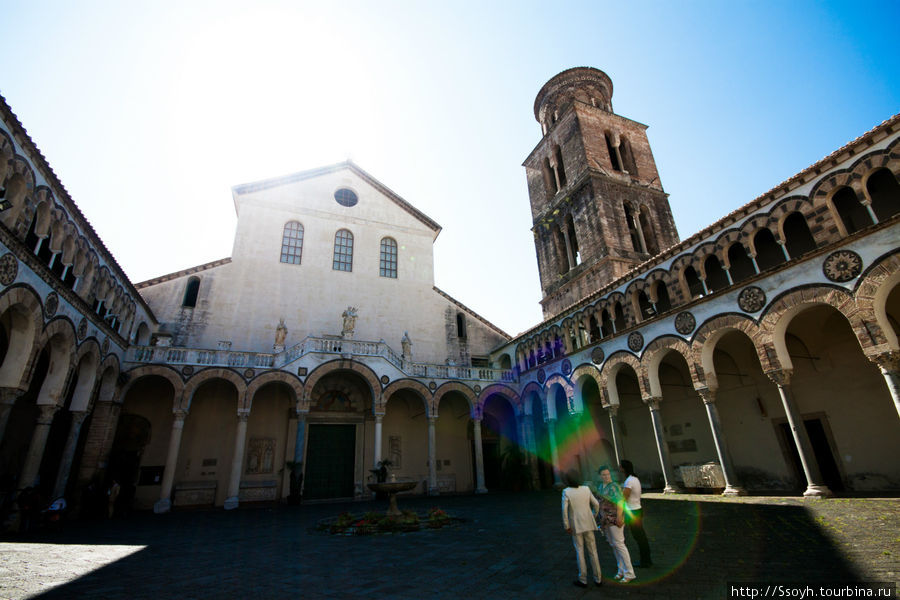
597,205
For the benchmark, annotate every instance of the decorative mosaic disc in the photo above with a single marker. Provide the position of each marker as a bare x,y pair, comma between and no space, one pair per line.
752,299
82,328
685,322
249,373
636,341
51,303
432,386
597,355
301,371
187,371
9,268
104,347
477,389
541,376
566,366
385,379
842,266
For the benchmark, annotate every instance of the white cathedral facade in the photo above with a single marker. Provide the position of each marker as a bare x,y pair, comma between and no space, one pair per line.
760,354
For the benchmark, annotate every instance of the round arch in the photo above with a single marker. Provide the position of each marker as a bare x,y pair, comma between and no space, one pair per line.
206,375
291,381
337,365
654,354
453,386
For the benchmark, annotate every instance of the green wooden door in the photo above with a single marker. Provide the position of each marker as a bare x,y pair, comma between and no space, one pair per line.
330,459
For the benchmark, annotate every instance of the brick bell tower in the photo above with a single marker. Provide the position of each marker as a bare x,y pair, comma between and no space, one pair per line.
597,204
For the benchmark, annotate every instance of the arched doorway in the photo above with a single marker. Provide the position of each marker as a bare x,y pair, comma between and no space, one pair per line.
500,445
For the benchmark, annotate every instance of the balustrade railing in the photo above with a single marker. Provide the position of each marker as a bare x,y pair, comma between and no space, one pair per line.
228,358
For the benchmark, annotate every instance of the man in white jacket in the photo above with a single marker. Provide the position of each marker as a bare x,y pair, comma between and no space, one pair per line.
579,512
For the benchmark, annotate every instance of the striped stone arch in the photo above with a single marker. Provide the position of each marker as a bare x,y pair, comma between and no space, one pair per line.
777,316
342,364
614,363
190,388
453,386
289,379
86,380
502,390
726,240
791,204
700,254
533,387
868,164
652,282
581,372
752,226
871,296
163,371
653,355
627,309
27,322
44,205
676,270
58,337
707,336
20,188
826,187
419,388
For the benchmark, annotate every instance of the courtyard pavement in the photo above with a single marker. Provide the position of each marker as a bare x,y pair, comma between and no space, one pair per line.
507,546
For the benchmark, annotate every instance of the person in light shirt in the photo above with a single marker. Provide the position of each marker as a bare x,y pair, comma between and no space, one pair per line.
634,514
579,511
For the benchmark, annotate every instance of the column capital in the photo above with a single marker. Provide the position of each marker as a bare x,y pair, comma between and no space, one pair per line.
613,409
243,416
432,419
299,413
707,395
652,402
47,412
180,414
888,362
78,417
379,417
9,395
780,377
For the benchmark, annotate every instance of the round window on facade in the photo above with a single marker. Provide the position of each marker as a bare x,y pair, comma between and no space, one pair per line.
346,197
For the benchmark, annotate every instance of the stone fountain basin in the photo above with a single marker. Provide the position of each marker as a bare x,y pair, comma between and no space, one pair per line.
392,487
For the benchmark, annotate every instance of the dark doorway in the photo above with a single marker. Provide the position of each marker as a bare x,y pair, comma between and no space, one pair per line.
330,461
818,439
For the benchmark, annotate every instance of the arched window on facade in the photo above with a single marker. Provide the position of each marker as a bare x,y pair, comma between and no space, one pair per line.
715,275
885,194
560,169
649,237
562,255
343,251
798,238
694,285
613,155
632,229
292,243
606,324
620,316
645,308
190,293
573,241
594,330
388,260
741,266
549,179
851,212
663,302
460,326
627,157
768,252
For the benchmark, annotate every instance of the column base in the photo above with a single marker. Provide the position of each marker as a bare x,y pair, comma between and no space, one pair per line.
231,503
162,506
818,491
731,490
672,489
481,490
433,491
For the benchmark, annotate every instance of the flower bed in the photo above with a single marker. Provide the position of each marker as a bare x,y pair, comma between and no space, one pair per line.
376,522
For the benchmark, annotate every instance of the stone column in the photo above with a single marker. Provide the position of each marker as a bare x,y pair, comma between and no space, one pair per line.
889,365
237,461
300,437
613,410
728,276
479,457
755,264
637,225
164,504
783,249
868,204
432,453
668,474
38,443
554,453
378,422
703,283
8,397
65,464
815,487
732,486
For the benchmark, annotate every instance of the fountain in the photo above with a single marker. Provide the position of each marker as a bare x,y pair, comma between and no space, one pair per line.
392,488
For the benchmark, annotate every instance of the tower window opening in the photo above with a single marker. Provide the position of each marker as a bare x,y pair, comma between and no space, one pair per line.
560,169
460,326
613,155
191,292
549,179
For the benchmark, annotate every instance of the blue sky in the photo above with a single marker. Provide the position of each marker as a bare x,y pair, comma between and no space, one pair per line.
150,111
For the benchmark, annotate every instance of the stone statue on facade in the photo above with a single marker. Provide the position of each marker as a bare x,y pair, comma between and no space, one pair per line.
406,344
280,335
349,316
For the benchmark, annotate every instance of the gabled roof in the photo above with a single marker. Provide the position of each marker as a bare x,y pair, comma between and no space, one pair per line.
246,188
189,271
